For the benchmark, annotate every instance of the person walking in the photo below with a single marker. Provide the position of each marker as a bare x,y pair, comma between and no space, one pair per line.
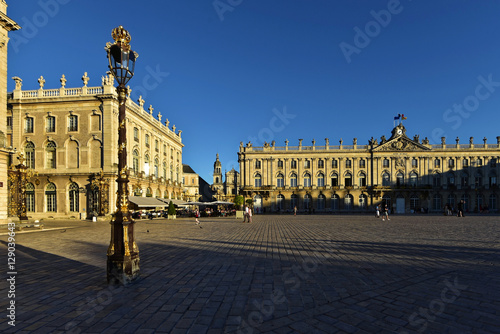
245,215
197,215
249,215
377,211
460,208
386,213
295,210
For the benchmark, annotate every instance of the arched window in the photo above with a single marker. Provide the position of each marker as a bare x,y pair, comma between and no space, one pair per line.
437,163
450,178
29,150
258,180
363,201
171,172
386,179
414,163
386,200
50,155
307,202
280,163
146,164
348,163
137,191
436,180
451,163
51,197
362,180
335,202
348,180
321,163
280,199
465,162
293,180
165,170
280,180
321,202
450,200
307,164
30,197
478,180
436,203
464,180
307,180
413,179
400,179
135,162
492,178
149,193
321,180
414,202
492,202
294,201
479,201
335,180
293,164
362,163
157,166
465,198
348,202
74,199
146,140
257,164
385,163
335,163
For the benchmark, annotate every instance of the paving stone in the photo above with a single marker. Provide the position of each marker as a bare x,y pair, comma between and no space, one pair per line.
282,274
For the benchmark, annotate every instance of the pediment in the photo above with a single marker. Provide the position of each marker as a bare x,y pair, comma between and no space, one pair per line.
401,143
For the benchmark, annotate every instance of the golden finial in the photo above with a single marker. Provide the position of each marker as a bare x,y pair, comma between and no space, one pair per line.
121,35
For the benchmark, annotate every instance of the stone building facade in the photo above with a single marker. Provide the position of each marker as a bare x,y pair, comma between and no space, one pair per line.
69,136
407,174
6,25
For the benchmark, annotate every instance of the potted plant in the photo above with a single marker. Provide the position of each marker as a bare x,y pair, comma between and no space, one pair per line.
238,203
171,211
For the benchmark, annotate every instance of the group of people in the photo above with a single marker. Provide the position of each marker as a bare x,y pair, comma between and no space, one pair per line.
385,212
248,215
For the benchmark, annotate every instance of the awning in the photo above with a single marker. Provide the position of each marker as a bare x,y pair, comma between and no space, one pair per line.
175,201
146,202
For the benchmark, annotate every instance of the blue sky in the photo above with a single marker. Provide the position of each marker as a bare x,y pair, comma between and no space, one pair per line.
231,71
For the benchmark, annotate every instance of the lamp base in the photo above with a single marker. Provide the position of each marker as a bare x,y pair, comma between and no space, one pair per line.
123,271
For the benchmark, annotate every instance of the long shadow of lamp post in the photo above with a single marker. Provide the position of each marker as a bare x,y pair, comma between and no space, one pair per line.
123,253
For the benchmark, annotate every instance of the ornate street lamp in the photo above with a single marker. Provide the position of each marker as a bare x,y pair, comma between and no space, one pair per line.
18,176
123,253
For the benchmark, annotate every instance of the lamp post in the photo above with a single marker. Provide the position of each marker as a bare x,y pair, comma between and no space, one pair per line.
123,253
17,179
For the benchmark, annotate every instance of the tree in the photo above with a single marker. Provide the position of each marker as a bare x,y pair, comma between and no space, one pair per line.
238,201
171,209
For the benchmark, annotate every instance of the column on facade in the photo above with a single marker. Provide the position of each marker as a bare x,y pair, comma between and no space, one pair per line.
247,172
299,172
285,172
354,171
327,172
313,178
340,178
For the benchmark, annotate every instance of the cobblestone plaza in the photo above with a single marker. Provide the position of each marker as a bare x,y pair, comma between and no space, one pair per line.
279,274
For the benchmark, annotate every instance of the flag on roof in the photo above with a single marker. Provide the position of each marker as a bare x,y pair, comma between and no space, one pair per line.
403,117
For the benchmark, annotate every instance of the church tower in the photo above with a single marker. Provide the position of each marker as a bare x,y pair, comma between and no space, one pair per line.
217,172
6,25
218,185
